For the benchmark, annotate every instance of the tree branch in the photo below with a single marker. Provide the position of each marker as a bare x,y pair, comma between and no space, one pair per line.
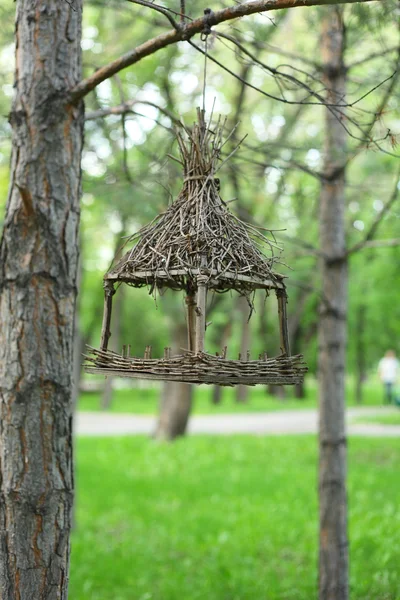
382,243
157,8
367,241
372,56
127,108
185,32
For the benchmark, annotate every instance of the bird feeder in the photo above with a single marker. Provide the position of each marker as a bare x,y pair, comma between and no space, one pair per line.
198,246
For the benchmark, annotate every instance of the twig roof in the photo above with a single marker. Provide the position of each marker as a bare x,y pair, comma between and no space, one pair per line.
198,233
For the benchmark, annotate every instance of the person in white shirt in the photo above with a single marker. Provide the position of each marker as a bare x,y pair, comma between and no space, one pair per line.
388,370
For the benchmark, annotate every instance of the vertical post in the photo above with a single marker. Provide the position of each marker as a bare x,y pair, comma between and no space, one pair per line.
283,327
201,308
191,319
109,292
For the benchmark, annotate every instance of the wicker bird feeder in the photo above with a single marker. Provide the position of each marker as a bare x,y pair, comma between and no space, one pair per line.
198,246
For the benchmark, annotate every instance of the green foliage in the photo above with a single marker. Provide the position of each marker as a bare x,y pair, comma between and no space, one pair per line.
225,518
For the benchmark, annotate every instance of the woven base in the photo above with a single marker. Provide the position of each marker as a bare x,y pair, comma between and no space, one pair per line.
199,368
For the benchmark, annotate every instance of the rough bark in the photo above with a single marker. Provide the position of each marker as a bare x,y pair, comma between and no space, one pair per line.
333,554
175,402
38,270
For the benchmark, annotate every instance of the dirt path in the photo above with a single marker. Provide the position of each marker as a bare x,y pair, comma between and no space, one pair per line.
271,423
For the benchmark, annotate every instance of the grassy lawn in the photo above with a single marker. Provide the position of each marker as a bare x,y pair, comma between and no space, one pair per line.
233,518
145,400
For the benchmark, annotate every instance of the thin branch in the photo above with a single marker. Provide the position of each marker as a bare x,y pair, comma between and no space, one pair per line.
127,108
290,164
333,108
185,32
302,244
366,132
275,50
378,219
372,56
381,244
275,72
160,9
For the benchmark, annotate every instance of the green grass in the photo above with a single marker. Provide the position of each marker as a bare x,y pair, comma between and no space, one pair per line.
226,518
145,401
391,419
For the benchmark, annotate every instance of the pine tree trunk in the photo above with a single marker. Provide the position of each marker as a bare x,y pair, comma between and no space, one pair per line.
175,402
242,391
216,397
333,555
38,270
218,390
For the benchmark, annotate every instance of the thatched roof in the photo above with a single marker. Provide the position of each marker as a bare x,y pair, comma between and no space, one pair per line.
198,234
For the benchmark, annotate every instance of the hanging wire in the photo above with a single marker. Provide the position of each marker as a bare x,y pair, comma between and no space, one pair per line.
208,13
205,73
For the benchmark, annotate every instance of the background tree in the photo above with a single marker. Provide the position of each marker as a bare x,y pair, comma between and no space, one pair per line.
39,248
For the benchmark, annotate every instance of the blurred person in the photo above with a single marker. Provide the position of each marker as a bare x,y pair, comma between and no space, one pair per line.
388,370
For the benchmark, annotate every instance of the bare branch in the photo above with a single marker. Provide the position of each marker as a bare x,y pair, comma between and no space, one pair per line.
302,244
185,32
382,243
334,108
157,8
127,108
276,72
275,50
378,219
372,56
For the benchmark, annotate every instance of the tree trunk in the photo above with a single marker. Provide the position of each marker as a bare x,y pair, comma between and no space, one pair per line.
333,554
79,344
175,402
360,352
276,390
242,391
38,270
108,389
217,392
297,339
300,391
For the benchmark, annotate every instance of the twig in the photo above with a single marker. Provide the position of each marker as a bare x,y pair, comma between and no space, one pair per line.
185,33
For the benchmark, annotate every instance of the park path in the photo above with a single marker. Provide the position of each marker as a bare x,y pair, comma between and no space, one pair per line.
271,423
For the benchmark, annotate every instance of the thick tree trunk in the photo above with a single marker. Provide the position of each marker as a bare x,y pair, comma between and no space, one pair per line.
242,391
175,407
175,402
38,270
333,555
225,333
